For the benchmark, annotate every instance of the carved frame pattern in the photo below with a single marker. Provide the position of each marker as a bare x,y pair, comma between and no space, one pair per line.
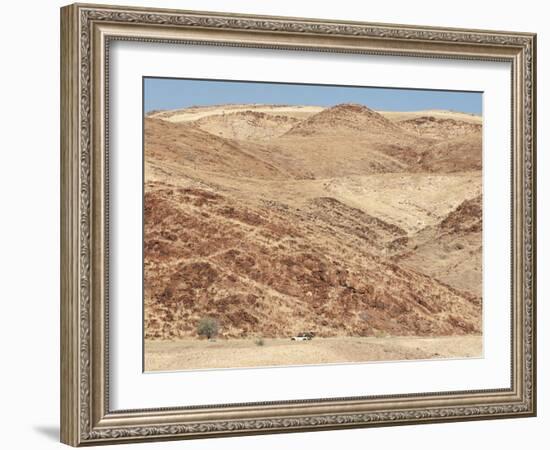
78,394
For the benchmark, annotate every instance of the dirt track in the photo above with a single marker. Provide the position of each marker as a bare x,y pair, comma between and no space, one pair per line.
201,354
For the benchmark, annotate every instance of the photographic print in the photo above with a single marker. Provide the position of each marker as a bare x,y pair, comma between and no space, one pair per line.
295,224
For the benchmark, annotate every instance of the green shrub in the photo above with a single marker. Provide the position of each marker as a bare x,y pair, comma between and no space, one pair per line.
209,327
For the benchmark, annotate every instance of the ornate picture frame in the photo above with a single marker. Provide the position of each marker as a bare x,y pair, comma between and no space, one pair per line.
87,31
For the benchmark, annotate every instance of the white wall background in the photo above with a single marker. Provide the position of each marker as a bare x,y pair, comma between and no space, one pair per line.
29,223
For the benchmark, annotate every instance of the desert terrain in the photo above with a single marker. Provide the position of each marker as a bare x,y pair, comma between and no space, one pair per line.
203,354
343,221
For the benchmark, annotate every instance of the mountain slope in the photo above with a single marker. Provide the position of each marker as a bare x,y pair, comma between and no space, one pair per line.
259,273
451,250
340,220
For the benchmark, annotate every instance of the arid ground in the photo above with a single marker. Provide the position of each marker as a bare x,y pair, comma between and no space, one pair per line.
190,353
361,226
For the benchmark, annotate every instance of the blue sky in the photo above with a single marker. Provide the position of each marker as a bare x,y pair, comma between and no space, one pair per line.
172,93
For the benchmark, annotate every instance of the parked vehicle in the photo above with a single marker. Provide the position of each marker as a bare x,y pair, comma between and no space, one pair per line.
305,336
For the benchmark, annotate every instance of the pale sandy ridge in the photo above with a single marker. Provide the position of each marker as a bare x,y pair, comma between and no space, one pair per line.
199,112
436,113
300,112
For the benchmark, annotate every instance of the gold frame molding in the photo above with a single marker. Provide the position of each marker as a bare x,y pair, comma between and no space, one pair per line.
86,32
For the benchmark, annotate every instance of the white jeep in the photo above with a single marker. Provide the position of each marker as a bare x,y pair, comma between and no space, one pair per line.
303,336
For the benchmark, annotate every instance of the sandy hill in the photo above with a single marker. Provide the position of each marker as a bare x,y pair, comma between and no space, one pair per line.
440,128
184,146
341,220
247,125
344,117
451,249
371,142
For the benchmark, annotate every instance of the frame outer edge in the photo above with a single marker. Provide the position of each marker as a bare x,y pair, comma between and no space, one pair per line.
533,236
535,165
79,425
70,299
